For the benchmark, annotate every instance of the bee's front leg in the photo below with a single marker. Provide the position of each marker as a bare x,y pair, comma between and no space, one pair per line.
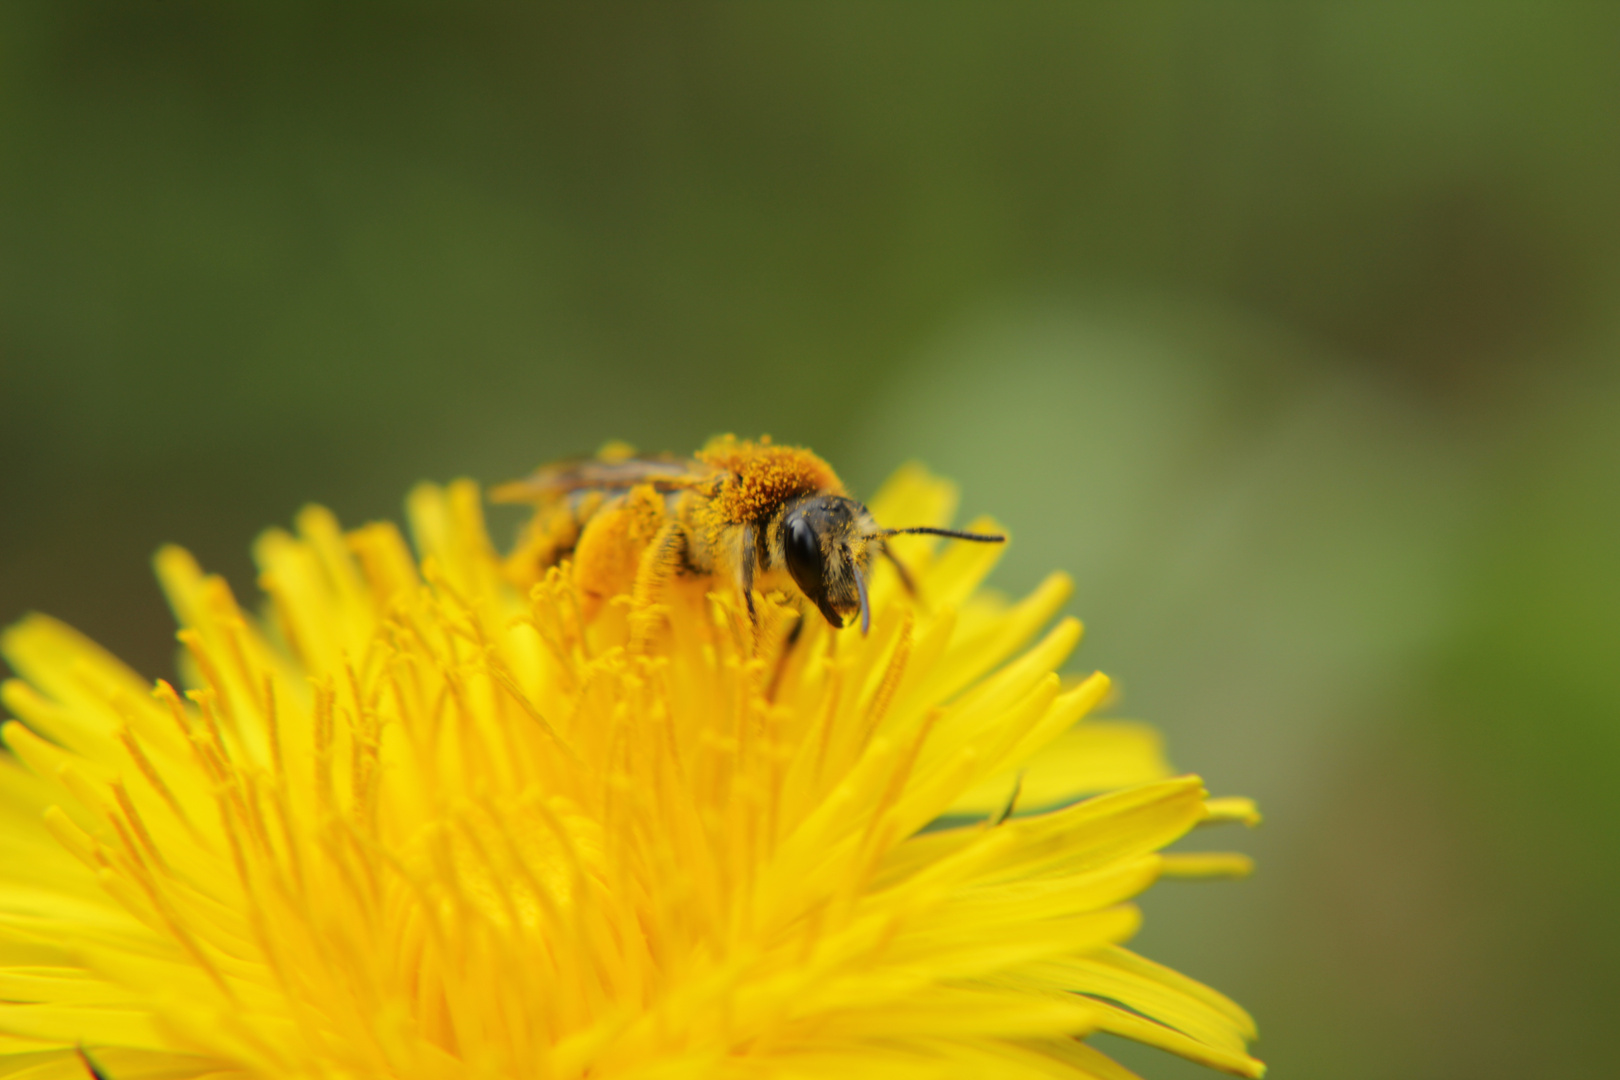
745,575
906,581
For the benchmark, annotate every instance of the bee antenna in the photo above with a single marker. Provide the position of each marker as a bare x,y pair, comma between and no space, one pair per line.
954,534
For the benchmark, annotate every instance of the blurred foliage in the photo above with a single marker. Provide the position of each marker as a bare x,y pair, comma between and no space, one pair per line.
1288,327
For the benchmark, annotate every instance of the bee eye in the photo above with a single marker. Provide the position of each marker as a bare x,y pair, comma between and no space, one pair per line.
803,556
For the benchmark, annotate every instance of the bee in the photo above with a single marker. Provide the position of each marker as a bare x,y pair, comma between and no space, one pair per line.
754,515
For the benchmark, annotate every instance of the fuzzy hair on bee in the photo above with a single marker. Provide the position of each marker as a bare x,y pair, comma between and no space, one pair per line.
757,516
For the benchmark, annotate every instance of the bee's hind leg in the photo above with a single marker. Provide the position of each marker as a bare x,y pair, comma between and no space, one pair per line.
665,557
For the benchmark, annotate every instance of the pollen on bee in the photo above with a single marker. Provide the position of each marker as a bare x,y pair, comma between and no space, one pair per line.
610,552
760,476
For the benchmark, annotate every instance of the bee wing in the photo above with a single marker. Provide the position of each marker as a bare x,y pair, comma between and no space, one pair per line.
593,474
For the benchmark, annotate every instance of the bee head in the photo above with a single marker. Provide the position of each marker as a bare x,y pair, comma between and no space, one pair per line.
826,546
827,543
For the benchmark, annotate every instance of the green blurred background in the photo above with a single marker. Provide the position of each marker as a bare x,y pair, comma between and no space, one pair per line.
1289,328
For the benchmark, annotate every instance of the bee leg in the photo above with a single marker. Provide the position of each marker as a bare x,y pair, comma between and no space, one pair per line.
906,580
90,1066
788,643
1012,802
665,557
746,573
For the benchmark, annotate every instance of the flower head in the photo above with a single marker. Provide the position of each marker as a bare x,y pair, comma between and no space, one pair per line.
412,822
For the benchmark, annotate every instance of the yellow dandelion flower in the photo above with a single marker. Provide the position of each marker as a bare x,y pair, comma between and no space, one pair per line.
414,823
